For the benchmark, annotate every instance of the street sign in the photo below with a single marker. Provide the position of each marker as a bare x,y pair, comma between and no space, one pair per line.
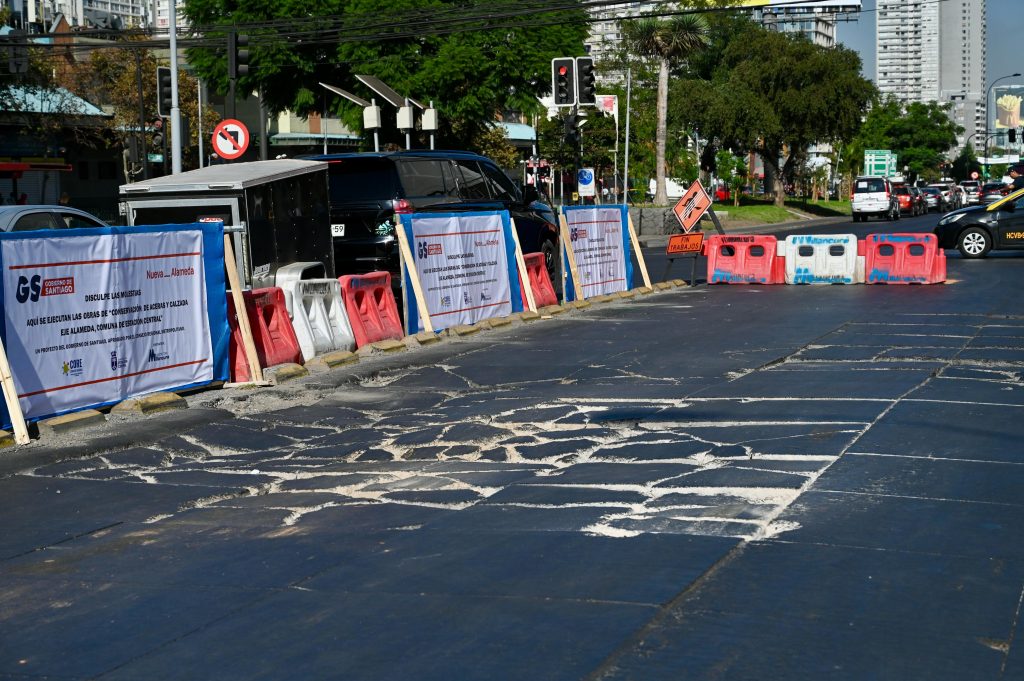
974,175
684,243
881,162
585,178
230,139
691,206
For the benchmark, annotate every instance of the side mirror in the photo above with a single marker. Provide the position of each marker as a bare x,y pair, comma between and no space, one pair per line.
530,194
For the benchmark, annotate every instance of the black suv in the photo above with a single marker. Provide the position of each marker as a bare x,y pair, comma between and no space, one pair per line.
366,190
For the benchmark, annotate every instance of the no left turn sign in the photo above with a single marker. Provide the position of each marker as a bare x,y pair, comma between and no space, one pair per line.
230,139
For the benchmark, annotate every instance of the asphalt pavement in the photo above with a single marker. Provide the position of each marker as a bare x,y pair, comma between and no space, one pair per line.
727,482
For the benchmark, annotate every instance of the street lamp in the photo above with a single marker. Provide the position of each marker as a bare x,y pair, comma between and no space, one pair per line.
988,97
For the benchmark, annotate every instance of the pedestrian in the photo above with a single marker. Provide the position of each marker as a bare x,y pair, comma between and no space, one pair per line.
23,199
65,199
1017,173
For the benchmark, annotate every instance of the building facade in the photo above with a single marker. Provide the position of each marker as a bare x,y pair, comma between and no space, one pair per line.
935,51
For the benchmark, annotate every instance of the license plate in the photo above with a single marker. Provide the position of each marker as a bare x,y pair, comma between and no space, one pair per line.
337,229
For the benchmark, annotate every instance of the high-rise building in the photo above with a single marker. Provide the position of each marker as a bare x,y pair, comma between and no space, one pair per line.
935,51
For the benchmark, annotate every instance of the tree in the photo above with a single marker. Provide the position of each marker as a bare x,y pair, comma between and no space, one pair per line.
472,59
965,164
777,94
920,134
733,170
668,42
109,78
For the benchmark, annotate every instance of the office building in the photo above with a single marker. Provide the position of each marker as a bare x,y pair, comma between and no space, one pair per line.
935,51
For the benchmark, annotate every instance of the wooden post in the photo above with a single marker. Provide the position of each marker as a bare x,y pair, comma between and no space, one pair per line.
567,245
639,253
255,370
524,276
414,276
11,398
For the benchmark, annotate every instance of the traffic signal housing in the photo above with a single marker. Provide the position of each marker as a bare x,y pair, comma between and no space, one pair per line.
1011,135
163,91
563,81
238,55
586,91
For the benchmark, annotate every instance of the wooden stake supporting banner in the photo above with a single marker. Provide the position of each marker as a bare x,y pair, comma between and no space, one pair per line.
571,257
255,370
524,276
11,398
414,276
639,253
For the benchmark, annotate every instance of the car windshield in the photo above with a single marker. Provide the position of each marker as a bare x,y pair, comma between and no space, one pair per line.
992,186
931,190
902,191
865,186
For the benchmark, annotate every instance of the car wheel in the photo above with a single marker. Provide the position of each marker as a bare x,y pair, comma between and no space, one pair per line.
974,243
551,262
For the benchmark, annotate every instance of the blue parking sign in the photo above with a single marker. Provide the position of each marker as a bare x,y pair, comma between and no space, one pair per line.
585,179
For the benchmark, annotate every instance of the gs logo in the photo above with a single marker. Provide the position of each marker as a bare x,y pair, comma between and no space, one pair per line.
28,289
574,234
421,249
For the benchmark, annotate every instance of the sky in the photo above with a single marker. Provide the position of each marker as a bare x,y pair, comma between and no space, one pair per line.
1005,19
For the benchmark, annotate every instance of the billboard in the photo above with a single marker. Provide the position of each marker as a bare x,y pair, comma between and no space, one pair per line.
1005,107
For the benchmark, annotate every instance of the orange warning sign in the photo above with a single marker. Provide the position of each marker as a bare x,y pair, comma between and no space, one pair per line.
693,204
684,243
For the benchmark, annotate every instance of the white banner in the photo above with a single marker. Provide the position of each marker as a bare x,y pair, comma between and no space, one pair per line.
93,319
597,244
463,267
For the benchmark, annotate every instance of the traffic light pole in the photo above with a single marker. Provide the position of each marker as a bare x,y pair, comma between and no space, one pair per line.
144,157
176,141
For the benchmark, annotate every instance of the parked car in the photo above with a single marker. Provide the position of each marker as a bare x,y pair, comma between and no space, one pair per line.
971,189
872,196
31,217
976,230
991,192
367,190
933,199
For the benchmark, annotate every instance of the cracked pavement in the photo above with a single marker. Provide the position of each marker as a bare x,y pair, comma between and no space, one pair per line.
727,482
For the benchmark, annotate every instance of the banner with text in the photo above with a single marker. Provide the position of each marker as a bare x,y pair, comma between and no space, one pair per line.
599,237
95,316
466,264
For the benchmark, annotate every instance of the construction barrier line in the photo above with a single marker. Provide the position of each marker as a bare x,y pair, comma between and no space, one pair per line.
904,259
372,310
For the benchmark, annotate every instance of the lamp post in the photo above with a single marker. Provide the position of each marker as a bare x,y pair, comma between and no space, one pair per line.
988,97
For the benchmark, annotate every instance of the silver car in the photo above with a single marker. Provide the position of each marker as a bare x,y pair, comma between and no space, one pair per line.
33,217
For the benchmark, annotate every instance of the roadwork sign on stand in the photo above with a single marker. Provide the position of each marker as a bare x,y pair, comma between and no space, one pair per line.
230,139
690,208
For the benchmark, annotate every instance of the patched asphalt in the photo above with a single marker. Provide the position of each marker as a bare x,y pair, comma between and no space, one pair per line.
735,482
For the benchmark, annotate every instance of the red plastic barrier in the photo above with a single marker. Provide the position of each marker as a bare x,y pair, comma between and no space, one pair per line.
371,307
272,332
540,281
903,259
744,259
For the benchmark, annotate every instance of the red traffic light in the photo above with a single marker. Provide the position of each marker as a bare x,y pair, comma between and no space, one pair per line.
562,70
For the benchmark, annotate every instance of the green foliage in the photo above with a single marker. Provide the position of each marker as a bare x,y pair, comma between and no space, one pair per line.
470,74
964,164
777,93
919,134
493,143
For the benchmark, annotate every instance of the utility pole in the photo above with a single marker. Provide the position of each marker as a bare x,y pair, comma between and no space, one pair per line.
175,111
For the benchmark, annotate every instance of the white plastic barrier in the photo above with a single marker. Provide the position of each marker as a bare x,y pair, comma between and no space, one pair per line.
318,317
823,259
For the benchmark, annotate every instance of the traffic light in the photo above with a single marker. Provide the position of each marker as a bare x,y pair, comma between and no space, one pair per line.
238,55
587,84
1011,135
563,81
572,130
163,91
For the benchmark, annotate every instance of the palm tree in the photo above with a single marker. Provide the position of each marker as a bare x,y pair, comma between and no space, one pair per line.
670,42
